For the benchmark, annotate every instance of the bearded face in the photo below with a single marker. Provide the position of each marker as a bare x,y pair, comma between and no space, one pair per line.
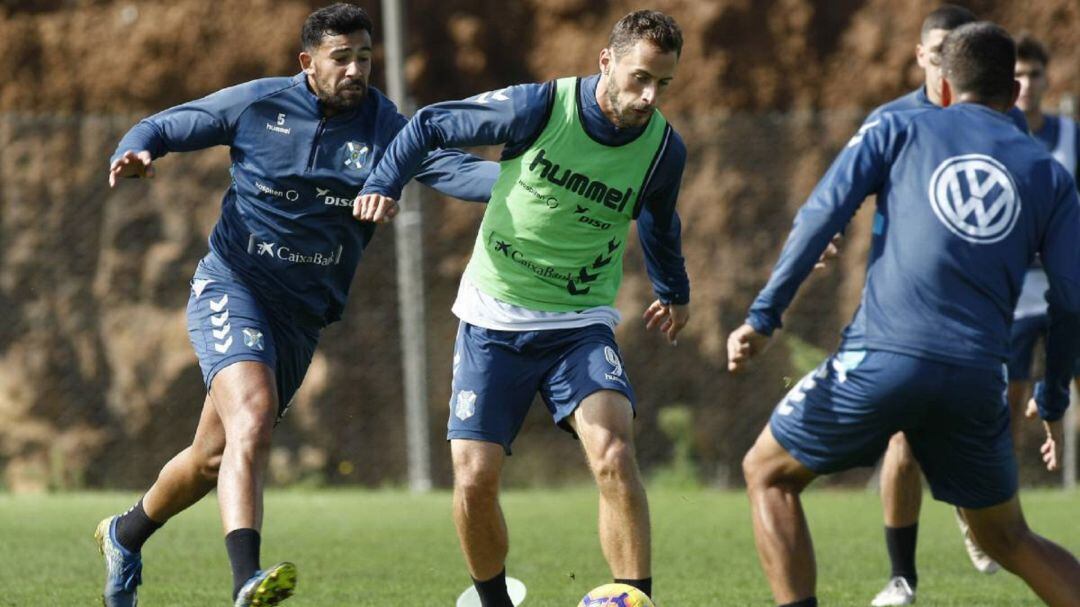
634,82
338,70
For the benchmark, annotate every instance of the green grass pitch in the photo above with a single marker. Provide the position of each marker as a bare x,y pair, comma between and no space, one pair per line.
388,548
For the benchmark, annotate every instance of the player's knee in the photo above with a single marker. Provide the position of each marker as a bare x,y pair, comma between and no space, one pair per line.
902,456
1001,541
253,423
209,466
206,457
614,463
762,471
753,467
475,479
475,485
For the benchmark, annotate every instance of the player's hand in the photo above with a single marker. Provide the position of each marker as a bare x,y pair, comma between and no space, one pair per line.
744,344
671,318
131,164
1051,447
1032,410
375,207
830,253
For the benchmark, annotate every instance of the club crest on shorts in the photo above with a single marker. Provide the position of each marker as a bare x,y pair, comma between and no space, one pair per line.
355,155
975,197
253,339
465,404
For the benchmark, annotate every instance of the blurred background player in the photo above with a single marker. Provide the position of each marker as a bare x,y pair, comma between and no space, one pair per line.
1062,139
924,353
582,158
282,257
901,480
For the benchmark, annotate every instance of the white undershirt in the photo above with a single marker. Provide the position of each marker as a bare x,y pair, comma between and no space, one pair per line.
482,310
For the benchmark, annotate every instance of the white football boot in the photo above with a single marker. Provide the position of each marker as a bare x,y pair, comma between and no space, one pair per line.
896,592
514,587
982,561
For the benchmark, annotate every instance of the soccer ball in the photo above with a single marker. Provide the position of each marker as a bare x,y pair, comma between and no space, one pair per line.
615,595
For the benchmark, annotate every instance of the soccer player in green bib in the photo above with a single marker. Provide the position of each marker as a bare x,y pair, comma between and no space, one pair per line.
582,158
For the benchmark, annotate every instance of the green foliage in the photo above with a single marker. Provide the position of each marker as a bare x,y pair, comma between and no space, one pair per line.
390,548
677,424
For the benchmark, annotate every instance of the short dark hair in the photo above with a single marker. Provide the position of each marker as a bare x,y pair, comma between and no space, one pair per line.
654,26
334,20
947,17
980,58
1030,49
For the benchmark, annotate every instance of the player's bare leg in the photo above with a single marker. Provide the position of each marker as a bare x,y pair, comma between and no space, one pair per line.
1050,570
774,480
901,484
1018,393
480,524
605,424
245,396
478,516
186,479
190,474
901,501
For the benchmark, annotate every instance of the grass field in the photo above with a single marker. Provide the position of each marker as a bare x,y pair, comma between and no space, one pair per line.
387,548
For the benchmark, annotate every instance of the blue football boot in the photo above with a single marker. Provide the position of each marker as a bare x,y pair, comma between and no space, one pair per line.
123,569
268,587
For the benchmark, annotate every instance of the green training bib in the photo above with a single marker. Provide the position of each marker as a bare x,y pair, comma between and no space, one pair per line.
554,232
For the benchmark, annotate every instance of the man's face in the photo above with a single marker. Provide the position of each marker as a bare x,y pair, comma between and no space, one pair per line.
635,81
339,68
1033,84
928,54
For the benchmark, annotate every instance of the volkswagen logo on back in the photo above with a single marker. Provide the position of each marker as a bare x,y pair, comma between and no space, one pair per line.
975,197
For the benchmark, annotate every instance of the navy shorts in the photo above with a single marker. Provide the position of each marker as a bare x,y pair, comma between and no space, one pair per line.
228,324
498,373
955,418
1026,332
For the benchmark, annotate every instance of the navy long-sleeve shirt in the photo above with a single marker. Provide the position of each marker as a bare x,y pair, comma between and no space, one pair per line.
286,225
965,200
515,116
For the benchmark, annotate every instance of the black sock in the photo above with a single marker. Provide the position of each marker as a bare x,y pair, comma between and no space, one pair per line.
133,528
810,602
900,542
493,592
644,585
243,548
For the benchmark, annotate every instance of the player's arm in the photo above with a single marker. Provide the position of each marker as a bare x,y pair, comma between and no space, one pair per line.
458,174
1060,256
856,173
660,233
192,126
1061,259
505,116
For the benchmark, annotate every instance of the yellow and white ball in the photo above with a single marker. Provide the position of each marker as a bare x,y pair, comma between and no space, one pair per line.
615,595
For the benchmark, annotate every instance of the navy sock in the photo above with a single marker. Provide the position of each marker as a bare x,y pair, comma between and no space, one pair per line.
243,548
810,602
133,528
900,541
644,585
493,592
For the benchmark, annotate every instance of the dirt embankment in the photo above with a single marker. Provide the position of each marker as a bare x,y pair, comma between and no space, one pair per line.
97,382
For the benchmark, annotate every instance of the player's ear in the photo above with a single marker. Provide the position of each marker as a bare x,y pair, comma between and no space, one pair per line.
605,61
307,62
1015,93
946,93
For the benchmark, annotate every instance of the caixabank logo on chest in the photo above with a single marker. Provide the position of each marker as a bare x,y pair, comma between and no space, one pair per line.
268,248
